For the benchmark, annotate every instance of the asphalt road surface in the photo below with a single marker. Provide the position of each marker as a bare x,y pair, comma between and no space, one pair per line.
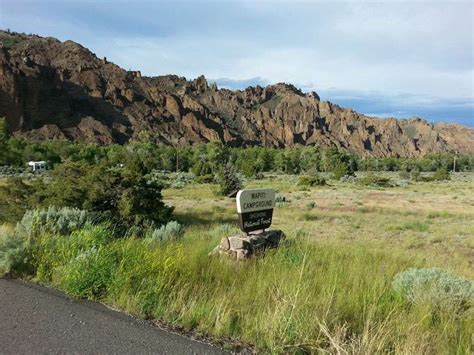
36,319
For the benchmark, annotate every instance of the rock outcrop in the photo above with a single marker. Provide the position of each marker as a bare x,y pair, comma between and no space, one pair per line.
52,89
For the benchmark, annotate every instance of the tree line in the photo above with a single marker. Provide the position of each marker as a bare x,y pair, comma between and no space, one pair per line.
204,159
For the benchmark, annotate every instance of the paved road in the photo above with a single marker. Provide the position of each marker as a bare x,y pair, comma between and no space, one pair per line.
35,319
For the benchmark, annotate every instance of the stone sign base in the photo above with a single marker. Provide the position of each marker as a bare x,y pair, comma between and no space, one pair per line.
240,247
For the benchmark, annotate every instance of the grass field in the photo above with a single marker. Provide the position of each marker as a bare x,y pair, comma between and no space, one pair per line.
350,242
328,288
432,222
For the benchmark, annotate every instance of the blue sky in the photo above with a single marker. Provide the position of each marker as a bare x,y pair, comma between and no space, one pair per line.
386,58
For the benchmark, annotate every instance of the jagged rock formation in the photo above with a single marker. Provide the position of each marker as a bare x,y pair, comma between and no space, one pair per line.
52,89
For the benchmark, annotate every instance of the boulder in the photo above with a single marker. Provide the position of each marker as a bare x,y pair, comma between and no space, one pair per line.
241,247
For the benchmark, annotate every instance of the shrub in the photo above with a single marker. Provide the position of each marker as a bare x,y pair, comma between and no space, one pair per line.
127,198
229,180
161,177
306,180
348,178
205,179
434,286
415,175
170,231
53,220
441,174
7,170
375,180
340,170
181,179
167,179
15,256
404,175
310,205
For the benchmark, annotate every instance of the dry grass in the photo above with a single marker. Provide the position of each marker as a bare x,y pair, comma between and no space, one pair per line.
431,221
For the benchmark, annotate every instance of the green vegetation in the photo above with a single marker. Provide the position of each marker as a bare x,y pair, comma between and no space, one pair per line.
124,196
305,180
204,160
375,261
294,299
168,232
229,180
375,180
437,288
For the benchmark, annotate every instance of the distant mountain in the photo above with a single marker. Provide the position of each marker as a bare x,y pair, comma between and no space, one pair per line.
52,89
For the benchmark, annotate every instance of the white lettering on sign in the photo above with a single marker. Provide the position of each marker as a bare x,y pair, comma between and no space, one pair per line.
260,222
255,200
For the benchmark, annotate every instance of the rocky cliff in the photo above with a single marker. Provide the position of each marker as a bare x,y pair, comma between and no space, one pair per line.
52,89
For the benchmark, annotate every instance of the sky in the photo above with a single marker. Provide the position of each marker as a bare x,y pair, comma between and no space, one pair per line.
382,58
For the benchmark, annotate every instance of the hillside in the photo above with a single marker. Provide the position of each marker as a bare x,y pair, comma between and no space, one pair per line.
52,89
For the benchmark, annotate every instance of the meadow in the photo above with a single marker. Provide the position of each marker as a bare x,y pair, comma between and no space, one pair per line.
328,288
431,220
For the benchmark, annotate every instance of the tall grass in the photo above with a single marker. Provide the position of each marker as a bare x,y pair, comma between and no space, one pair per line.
304,297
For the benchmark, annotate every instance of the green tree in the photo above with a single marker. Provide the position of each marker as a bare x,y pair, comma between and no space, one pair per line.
127,197
217,154
229,180
15,199
339,162
69,185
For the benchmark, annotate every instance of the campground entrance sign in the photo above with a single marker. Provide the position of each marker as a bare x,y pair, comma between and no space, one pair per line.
255,209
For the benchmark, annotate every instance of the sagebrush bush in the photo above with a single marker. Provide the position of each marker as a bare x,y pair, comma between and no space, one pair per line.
434,286
306,180
375,180
167,179
159,176
180,180
170,231
53,220
15,256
